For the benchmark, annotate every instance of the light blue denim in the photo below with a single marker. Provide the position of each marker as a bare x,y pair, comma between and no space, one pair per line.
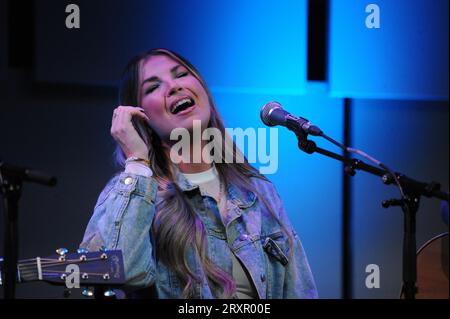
124,213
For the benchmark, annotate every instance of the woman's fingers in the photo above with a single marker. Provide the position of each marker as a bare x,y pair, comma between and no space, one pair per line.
140,113
127,112
124,132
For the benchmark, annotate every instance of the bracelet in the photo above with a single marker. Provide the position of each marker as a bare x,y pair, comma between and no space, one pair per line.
137,159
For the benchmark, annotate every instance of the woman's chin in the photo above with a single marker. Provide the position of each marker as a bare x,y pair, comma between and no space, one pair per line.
193,121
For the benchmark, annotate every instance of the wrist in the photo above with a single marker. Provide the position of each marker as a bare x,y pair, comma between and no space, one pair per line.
138,159
139,154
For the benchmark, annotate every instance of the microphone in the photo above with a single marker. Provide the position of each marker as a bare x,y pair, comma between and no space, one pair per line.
26,174
273,114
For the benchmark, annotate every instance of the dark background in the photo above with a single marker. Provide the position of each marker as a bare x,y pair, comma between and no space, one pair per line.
383,91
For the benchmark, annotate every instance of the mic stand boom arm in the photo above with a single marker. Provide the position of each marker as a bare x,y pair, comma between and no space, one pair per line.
413,190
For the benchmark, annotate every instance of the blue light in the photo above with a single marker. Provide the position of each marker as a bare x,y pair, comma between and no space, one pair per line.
406,58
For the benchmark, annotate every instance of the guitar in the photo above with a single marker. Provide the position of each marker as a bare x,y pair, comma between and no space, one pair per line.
102,268
432,269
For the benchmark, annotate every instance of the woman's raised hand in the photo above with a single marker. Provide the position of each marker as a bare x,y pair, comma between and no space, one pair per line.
124,132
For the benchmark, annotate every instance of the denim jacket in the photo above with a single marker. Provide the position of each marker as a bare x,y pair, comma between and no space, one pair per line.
124,213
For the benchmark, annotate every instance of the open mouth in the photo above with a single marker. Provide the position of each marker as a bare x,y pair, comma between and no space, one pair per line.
182,105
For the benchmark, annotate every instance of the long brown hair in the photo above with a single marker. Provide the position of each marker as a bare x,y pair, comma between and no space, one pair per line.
179,229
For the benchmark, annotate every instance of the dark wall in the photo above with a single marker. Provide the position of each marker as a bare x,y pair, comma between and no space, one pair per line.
64,134
234,44
3,40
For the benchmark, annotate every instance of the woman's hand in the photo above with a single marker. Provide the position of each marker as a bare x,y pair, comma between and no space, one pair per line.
123,131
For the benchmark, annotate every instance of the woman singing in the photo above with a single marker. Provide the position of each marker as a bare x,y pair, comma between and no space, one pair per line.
187,229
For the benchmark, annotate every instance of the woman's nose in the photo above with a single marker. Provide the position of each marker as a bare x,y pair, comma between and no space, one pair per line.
174,89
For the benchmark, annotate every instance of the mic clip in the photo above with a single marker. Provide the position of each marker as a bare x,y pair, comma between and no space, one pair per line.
304,144
295,124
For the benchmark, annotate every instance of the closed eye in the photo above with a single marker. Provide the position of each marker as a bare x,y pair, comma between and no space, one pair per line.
151,89
154,87
180,75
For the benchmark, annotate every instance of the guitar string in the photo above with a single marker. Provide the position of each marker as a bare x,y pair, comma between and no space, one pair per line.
32,272
63,272
58,262
31,267
32,259
49,273
49,260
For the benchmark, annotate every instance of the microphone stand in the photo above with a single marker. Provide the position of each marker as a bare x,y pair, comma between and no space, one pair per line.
11,179
409,203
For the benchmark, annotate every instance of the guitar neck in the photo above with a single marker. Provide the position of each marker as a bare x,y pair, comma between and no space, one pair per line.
88,268
19,277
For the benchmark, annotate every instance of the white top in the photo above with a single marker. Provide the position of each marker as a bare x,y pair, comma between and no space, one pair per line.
209,183
202,177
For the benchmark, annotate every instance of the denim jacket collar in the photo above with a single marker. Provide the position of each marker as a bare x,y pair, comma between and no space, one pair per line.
239,196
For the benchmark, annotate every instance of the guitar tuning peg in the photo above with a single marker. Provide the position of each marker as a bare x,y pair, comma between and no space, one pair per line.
109,293
62,251
88,292
82,251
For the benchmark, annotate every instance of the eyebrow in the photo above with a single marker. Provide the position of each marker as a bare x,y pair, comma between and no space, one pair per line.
155,78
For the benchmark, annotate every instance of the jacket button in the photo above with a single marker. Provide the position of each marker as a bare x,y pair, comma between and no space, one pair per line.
128,181
263,278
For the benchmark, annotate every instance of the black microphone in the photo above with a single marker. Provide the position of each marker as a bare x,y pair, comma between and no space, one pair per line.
273,114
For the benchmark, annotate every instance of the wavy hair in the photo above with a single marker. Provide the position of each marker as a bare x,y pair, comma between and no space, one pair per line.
177,228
